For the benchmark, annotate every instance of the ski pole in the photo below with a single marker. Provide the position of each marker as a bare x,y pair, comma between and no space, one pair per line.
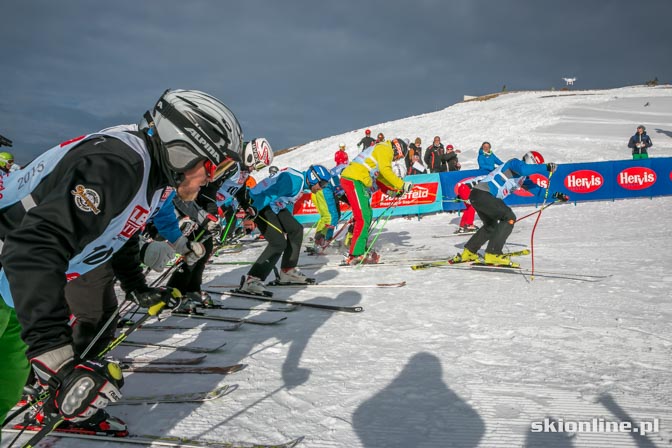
270,224
543,205
49,427
370,246
537,211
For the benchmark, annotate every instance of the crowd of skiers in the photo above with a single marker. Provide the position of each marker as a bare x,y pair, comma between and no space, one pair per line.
97,208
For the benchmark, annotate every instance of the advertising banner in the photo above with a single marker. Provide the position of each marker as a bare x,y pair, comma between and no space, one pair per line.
590,181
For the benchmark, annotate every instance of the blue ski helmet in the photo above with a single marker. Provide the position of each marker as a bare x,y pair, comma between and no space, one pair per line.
317,174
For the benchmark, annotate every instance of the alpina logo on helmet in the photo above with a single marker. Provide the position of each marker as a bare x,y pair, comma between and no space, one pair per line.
204,143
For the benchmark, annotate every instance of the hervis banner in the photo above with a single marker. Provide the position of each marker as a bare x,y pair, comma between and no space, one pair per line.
591,181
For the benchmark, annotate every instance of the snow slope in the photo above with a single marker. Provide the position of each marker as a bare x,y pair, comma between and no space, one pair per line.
459,357
567,126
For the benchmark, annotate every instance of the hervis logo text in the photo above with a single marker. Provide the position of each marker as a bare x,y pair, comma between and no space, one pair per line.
584,181
636,178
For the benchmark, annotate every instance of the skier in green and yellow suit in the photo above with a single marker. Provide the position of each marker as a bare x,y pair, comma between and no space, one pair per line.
374,164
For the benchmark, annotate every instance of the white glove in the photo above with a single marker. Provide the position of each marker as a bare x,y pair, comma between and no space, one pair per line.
407,187
156,255
192,251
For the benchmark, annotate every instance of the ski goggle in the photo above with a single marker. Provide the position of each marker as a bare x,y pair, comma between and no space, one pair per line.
214,172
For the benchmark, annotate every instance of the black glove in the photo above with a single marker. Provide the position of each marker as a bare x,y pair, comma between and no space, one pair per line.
560,196
551,167
77,389
150,297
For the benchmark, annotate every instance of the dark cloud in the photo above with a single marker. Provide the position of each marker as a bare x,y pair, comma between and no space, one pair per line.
296,71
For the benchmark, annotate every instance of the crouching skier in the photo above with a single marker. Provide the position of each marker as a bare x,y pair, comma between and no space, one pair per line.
270,203
487,197
82,201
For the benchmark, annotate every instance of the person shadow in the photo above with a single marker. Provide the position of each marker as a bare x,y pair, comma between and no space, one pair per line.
606,400
417,409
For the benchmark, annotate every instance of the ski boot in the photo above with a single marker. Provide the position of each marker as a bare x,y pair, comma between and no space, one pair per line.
499,260
100,424
293,276
372,258
250,284
199,298
465,257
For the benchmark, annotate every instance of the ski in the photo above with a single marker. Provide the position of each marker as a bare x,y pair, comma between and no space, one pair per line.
173,347
234,326
528,272
336,285
202,370
246,320
218,306
229,249
166,441
454,234
479,266
449,262
175,361
347,309
321,285
189,397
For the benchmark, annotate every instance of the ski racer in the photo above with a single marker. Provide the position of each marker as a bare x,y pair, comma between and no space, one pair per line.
6,163
271,204
372,168
257,154
86,199
327,203
487,197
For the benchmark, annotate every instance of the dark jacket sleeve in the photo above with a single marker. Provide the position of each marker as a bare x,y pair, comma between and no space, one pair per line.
37,249
127,266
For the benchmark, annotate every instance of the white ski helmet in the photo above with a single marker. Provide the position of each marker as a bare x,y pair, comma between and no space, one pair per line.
193,126
257,154
533,158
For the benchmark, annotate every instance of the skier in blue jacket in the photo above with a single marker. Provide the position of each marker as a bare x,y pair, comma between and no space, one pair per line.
487,197
487,160
271,203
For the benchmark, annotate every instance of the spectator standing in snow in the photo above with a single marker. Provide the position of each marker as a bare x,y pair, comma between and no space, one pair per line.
416,146
434,156
341,157
640,143
416,166
366,141
487,160
450,158
380,137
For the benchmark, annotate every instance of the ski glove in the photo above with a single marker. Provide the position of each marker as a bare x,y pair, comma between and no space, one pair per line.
192,251
407,187
560,196
551,167
250,212
151,297
77,389
156,255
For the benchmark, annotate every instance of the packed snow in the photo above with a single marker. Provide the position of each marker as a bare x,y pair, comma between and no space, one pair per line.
457,357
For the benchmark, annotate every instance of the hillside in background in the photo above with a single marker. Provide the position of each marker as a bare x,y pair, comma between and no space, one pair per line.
566,126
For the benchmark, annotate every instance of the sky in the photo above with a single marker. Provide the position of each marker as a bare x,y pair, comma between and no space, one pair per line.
299,71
